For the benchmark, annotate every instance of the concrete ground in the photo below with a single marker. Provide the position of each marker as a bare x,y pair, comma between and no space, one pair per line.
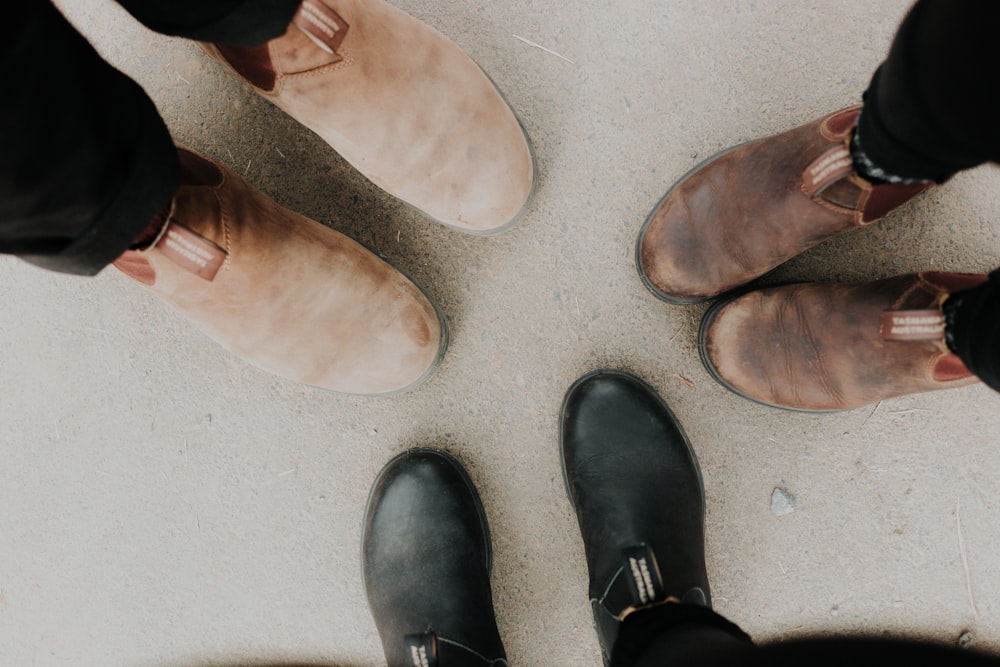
163,503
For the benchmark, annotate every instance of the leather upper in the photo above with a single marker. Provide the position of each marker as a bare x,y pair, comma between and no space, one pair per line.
427,557
287,294
402,104
815,346
634,482
755,206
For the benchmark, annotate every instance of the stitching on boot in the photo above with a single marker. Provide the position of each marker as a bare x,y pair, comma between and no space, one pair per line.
279,73
830,206
957,380
824,128
610,584
227,239
896,305
937,293
859,212
929,368
346,61
226,236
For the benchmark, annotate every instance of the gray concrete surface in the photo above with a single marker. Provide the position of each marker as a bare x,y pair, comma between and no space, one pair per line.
165,504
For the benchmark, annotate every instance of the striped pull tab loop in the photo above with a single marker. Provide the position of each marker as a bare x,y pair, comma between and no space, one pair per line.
913,325
643,575
422,649
322,25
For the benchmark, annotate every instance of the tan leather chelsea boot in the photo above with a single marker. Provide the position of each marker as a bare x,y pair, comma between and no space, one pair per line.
284,292
401,103
817,347
748,209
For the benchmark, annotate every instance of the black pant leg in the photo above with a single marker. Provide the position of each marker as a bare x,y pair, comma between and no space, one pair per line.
840,651
667,633
931,108
708,642
973,326
232,22
86,160
930,112
693,645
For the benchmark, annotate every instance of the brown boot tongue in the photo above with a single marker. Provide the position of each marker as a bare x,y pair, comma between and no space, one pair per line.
913,325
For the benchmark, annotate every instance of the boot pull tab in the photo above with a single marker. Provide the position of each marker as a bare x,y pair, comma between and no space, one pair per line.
189,250
834,164
643,575
913,325
322,25
422,649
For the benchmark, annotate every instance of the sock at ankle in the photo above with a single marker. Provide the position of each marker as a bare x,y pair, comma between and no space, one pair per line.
871,171
154,227
949,309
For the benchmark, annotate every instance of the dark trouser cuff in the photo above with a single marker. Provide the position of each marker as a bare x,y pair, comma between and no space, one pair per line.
153,179
642,628
972,328
867,168
233,22
892,154
929,111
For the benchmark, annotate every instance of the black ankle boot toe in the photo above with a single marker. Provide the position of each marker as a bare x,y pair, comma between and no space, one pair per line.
634,482
426,560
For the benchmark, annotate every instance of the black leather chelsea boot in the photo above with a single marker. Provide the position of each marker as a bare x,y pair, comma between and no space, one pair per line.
426,561
634,482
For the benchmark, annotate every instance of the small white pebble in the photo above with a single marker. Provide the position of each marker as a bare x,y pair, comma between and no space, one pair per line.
782,502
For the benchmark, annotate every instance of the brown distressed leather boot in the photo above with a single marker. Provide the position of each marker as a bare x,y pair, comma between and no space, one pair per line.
402,104
817,347
285,293
746,210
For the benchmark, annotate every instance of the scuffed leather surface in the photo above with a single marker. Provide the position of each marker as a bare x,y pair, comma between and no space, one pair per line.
745,212
410,111
427,559
294,297
818,346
